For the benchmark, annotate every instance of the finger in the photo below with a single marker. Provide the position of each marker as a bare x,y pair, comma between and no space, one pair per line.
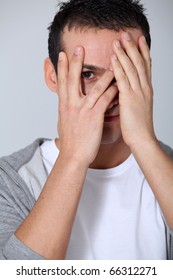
99,88
128,66
145,53
62,69
106,99
74,76
132,50
120,76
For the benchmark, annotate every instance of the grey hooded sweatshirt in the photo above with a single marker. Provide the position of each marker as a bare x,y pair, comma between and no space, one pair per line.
19,174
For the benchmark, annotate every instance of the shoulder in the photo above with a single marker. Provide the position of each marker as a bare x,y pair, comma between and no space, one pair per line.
21,157
12,185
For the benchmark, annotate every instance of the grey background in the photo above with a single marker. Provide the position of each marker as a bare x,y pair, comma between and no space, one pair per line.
28,110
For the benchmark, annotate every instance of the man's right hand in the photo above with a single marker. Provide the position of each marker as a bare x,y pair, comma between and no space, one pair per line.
81,117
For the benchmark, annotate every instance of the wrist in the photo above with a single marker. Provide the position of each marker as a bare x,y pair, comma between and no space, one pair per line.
143,143
72,160
69,172
69,156
145,146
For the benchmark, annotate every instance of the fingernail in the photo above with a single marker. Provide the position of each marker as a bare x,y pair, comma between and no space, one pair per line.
127,36
117,44
61,56
77,51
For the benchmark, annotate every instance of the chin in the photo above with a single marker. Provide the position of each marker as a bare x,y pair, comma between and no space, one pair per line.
111,137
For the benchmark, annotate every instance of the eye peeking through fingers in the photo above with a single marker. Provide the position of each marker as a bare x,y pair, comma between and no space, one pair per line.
88,79
87,75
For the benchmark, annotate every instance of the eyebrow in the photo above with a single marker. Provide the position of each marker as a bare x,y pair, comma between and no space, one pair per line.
93,67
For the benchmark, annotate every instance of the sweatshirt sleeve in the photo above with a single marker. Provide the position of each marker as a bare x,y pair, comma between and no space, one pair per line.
16,203
14,249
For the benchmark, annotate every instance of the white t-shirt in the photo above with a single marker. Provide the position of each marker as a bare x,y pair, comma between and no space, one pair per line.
118,216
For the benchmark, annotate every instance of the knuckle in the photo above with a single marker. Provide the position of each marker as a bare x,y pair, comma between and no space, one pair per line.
71,78
62,106
61,110
121,79
61,81
140,63
68,109
134,71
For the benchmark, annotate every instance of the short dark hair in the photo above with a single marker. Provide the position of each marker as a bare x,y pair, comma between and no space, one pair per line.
100,14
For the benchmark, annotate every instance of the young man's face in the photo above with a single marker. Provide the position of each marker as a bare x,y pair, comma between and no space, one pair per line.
98,51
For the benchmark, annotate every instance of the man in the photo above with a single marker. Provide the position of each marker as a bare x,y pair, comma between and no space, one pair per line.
103,190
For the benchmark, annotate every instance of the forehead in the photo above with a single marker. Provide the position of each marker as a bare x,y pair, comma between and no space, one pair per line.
96,42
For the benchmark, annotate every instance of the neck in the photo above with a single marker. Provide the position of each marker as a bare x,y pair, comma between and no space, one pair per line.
111,155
